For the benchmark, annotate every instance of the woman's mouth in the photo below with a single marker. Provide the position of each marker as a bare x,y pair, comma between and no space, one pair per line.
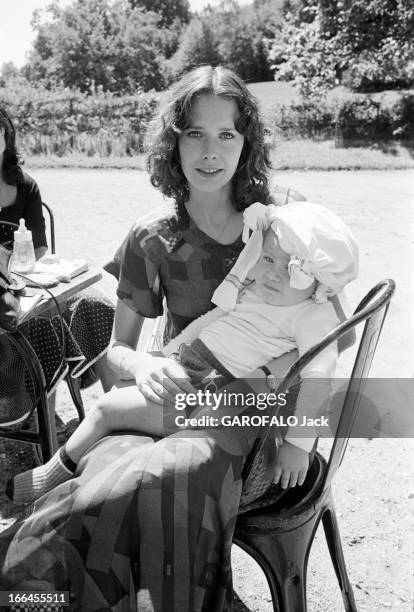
209,172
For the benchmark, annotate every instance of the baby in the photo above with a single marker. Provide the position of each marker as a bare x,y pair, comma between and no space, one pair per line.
274,300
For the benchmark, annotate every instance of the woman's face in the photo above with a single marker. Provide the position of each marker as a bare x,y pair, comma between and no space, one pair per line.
210,146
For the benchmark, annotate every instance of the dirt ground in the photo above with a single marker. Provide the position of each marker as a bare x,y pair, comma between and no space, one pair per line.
373,490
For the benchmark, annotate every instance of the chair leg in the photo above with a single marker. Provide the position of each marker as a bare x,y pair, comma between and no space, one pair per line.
333,539
76,396
47,428
283,558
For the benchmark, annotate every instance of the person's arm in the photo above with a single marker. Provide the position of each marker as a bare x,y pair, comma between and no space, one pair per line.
33,216
292,462
315,387
40,251
121,354
157,377
140,291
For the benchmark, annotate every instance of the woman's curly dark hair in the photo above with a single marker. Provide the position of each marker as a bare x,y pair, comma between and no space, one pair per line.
250,181
11,162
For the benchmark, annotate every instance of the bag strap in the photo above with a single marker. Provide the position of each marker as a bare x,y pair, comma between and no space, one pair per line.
10,282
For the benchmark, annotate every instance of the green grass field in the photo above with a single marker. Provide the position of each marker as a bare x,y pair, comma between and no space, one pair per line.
278,92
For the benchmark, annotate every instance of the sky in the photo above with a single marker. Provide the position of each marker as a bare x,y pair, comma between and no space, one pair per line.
16,33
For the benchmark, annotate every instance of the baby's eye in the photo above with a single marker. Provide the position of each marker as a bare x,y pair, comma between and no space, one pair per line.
268,259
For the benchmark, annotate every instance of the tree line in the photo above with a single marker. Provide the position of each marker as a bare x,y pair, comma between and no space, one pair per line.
125,46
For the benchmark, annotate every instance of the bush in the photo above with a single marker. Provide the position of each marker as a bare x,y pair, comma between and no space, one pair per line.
362,121
304,119
402,113
67,121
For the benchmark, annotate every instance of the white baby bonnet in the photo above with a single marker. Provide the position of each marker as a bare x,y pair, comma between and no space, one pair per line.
319,243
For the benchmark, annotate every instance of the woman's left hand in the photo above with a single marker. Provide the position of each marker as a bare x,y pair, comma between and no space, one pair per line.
162,379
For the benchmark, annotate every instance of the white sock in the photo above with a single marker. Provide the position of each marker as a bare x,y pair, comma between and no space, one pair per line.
32,484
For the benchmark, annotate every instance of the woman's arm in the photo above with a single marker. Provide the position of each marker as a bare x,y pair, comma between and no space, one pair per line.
157,377
39,252
121,354
33,215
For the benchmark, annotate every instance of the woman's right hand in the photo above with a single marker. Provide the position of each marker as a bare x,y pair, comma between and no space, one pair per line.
160,379
157,377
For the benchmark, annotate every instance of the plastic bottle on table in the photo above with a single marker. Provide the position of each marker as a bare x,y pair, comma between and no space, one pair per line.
23,259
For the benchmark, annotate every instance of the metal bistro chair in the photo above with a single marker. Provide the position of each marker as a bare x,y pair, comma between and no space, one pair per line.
7,230
23,388
34,401
279,535
26,400
51,227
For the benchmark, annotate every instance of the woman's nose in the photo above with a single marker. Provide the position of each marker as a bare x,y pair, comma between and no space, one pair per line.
208,155
209,151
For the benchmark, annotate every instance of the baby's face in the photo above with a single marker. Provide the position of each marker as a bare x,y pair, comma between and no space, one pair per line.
272,276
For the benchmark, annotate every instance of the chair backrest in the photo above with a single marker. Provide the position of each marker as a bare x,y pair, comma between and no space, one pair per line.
372,310
51,226
7,229
19,400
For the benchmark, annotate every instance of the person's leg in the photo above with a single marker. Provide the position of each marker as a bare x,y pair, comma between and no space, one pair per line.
121,409
172,506
106,375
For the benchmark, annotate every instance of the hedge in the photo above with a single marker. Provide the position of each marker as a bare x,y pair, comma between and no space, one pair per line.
62,121
358,120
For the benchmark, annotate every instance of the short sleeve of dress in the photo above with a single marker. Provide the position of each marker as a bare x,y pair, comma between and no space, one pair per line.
139,284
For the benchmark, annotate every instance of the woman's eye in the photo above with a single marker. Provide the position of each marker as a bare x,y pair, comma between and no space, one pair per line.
227,135
268,259
194,134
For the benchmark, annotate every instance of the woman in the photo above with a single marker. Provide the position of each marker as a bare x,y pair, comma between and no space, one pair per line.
155,518
87,341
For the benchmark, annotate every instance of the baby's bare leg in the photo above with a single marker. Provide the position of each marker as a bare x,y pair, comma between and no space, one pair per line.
123,408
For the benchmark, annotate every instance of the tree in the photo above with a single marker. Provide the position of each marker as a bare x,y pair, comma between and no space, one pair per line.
99,43
229,36
198,46
138,51
242,51
169,10
8,72
366,44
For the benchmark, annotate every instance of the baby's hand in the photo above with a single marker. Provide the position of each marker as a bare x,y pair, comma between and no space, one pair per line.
292,464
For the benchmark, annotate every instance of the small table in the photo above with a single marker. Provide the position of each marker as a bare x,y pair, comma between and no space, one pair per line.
62,292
